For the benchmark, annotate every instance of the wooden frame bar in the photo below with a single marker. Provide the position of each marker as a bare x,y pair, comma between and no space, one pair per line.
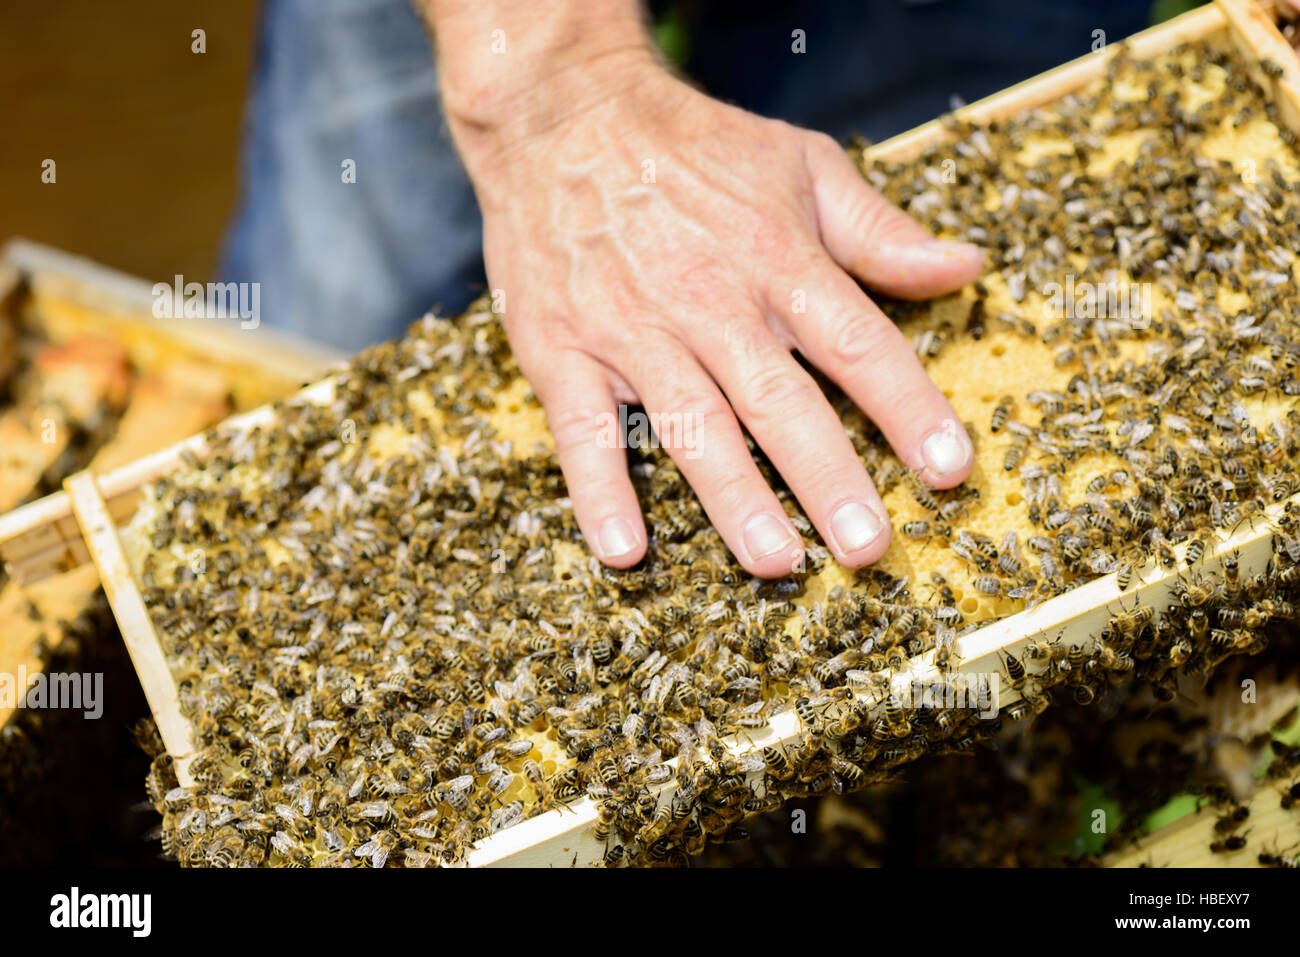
1186,842
133,618
42,537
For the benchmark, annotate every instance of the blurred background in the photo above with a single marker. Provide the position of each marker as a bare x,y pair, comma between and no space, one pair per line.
145,133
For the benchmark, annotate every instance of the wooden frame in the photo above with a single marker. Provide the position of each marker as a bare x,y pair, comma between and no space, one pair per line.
44,537
1186,842
67,300
126,301
133,618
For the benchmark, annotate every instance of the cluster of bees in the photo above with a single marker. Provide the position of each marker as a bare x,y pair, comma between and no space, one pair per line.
1034,801
391,643
1019,807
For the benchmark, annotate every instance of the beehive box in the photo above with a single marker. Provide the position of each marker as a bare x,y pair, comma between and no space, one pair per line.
1111,607
91,379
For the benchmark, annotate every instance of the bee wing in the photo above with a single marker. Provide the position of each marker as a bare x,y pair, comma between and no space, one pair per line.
282,842
586,666
501,781
298,760
357,785
508,816
750,762
683,735
517,749
657,774
1011,545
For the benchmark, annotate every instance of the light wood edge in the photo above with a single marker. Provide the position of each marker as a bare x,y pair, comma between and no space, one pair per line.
1186,842
133,619
42,538
1257,36
1055,83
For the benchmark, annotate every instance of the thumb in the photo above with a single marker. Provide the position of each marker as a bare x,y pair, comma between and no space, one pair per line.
876,241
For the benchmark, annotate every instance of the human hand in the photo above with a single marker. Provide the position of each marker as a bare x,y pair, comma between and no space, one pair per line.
658,246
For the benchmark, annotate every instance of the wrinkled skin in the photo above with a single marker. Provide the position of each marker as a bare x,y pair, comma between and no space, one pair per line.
657,246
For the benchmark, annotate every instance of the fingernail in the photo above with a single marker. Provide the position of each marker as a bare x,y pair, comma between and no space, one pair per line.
855,526
765,534
616,537
946,450
937,251
951,247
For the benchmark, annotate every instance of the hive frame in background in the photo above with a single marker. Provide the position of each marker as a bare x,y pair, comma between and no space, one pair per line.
66,299
46,536
1186,842
42,538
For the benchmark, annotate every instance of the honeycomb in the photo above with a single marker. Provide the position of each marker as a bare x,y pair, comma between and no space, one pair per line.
392,643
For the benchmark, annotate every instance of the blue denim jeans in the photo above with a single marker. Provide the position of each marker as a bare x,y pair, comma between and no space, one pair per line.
350,84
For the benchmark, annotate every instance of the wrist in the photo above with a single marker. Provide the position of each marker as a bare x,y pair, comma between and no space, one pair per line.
506,79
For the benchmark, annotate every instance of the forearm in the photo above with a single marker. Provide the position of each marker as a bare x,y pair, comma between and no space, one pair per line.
510,69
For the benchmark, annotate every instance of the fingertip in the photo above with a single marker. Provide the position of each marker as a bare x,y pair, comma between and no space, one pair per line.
942,483
788,562
946,455
770,546
921,270
955,252
867,556
859,533
619,542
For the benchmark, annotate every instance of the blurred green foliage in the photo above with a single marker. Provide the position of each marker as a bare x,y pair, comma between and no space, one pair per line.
1087,840
1163,10
672,33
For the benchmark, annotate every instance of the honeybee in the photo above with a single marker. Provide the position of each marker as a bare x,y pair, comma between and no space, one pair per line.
1229,844
1015,671
945,655
1001,412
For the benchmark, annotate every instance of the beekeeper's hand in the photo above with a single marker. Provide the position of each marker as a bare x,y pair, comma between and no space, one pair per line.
653,245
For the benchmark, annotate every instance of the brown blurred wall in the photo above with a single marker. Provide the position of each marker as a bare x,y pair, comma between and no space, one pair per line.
144,132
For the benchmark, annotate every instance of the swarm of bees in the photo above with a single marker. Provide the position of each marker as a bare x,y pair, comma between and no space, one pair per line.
1034,801
392,645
